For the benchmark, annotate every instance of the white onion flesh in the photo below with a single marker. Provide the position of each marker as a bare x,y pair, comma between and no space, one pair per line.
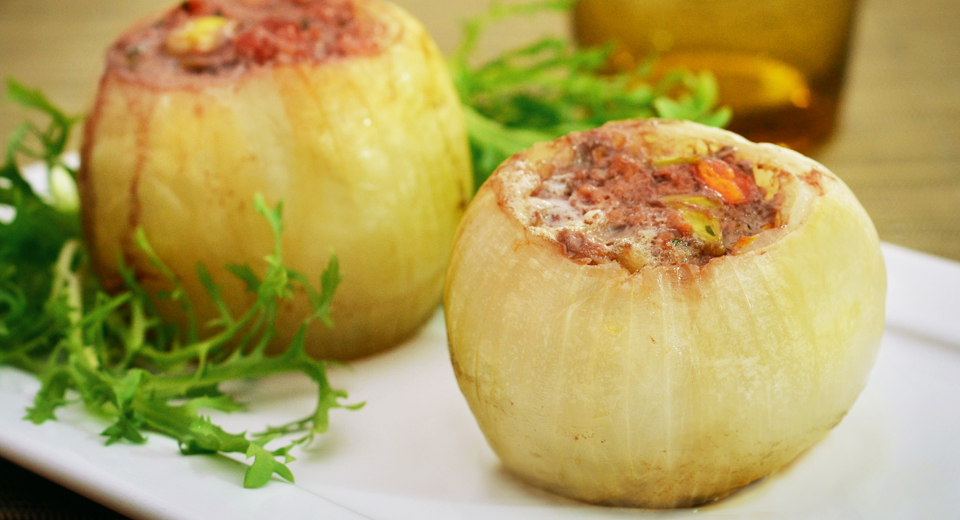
672,385
368,154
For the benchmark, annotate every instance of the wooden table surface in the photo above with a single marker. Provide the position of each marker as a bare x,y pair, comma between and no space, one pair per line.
898,143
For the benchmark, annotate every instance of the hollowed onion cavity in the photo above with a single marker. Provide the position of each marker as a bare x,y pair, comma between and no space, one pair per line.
615,350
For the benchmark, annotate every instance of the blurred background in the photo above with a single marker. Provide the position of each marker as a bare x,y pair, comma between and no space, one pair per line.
896,141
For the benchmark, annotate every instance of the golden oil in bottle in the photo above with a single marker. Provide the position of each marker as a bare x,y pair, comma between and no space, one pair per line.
779,63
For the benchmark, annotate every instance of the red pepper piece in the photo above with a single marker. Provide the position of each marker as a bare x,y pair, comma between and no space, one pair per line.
733,186
743,242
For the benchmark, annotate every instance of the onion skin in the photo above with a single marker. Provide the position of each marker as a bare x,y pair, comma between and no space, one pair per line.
673,385
368,154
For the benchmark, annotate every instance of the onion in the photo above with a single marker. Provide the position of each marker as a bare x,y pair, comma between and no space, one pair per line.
656,383
341,109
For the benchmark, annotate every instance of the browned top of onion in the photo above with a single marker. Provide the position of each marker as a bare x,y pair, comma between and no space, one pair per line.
616,194
202,40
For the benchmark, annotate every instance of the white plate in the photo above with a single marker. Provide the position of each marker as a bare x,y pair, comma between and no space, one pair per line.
415,452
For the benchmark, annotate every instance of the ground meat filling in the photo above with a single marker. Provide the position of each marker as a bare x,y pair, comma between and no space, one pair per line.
210,38
613,202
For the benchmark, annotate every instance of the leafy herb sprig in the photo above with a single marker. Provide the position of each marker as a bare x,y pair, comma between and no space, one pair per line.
550,88
113,352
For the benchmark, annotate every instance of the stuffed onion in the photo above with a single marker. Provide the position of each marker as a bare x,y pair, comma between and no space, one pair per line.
341,109
656,313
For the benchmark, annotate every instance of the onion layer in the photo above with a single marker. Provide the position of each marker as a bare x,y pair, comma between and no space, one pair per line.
666,385
367,151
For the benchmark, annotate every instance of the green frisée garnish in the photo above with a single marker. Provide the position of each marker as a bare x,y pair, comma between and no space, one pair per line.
550,88
111,351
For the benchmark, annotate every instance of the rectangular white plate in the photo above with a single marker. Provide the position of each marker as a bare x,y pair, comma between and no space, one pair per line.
414,452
